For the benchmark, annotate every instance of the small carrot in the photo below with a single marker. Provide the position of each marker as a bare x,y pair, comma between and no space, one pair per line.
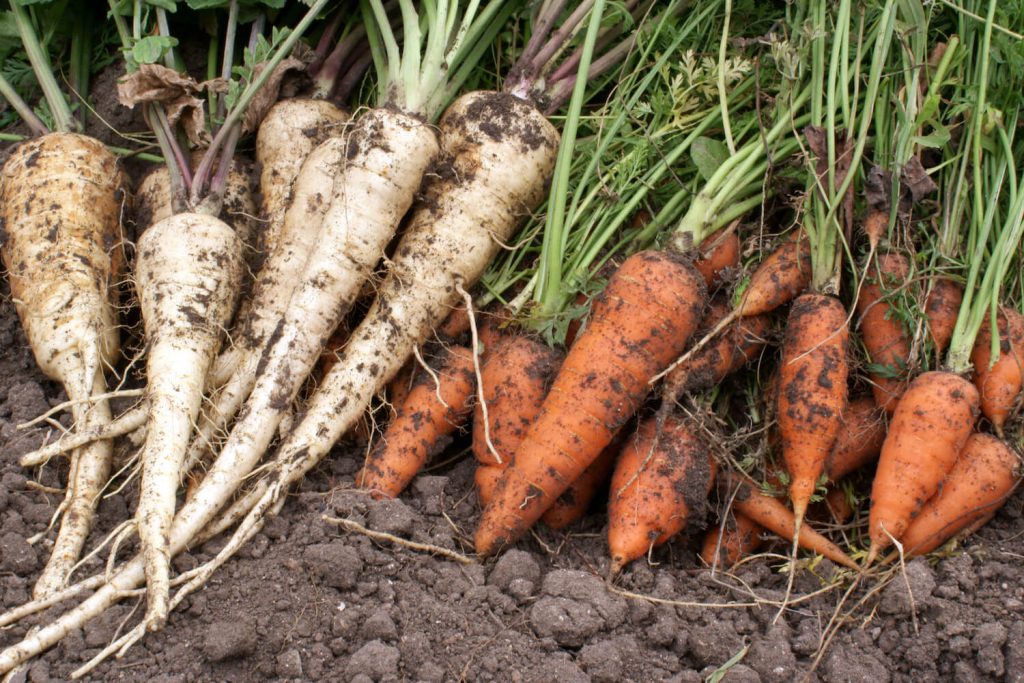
884,337
812,391
571,506
455,325
740,343
642,320
486,479
661,481
516,377
860,439
727,543
983,477
999,379
420,428
941,309
838,505
926,434
773,515
719,253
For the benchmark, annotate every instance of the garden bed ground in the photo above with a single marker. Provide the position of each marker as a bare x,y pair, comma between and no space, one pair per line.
309,601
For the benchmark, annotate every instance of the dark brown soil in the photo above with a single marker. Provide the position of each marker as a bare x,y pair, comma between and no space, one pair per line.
308,601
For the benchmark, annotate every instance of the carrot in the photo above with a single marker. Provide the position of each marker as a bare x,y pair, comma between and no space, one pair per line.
926,434
740,343
486,479
726,544
642,320
984,475
812,391
941,309
431,412
838,505
782,275
61,197
661,480
570,507
719,254
999,379
883,335
516,377
860,438
773,515
456,324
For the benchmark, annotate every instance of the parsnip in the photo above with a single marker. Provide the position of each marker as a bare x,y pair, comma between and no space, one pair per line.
62,196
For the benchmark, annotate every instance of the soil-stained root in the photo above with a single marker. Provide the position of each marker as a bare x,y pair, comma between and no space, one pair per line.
287,135
719,255
188,274
726,544
882,332
640,322
661,483
572,505
985,474
859,441
941,309
999,379
812,391
61,197
926,434
431,412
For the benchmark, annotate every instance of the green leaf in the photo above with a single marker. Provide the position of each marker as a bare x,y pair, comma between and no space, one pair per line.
26,3
206,4
708,155
169,5
150,49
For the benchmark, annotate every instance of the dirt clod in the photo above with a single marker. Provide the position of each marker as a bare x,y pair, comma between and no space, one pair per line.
512,566
375,660
336,564
229,640
920,579
16,555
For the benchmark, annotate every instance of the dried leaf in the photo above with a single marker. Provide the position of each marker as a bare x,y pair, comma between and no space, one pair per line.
817,143
877,186
917,179
267,95
177,92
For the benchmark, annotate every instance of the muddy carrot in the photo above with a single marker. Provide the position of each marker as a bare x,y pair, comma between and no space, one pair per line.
726,544
941,309
882,332
571,506
999,379
431,412
860,438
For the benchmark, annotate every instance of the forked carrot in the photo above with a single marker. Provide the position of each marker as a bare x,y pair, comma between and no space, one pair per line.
571,506
773,515
999,379
884,337
860,439
431,412
812,391
983,477
641,321
727,543
926,434
660,481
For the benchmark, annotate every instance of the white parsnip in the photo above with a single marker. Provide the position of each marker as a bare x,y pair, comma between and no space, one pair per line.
62,196
188,274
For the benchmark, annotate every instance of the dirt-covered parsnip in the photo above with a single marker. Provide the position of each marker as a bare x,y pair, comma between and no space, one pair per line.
62,196
188,274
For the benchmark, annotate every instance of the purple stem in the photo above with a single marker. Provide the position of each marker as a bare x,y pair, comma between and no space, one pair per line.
569,66
560,91
257,30
324,45
353,75
220,179
549,12
327,76
559,37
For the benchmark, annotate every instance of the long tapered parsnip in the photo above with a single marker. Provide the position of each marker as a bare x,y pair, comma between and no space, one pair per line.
62,196
188,274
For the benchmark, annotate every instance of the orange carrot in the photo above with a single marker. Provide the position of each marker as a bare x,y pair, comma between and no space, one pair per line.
941,309
740,343
773,515
570,507
642,320
719,253
515,377
782,275
860,438
660,481
999,379
884,338
983,477
420,428
726,544
926,434
838,505
455,325
812,391
573,329
400,385
486,479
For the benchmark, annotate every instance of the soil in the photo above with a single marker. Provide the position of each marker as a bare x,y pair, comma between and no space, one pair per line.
309,601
